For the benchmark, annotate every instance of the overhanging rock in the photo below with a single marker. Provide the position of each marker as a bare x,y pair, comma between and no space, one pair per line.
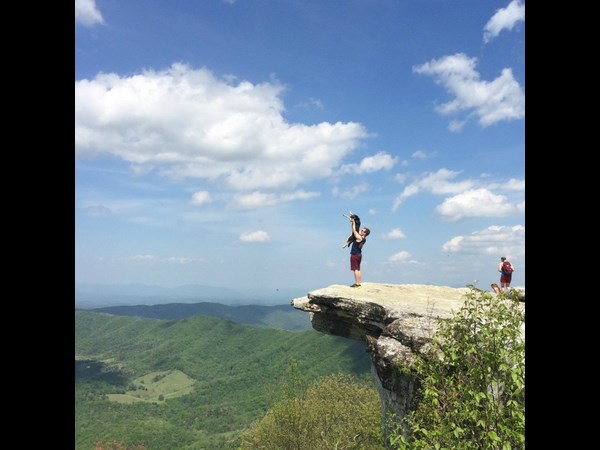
394,321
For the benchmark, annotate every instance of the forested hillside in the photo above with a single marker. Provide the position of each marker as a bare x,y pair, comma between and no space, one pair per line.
234,369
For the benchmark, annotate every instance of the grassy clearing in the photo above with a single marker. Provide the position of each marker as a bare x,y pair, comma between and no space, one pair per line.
156,387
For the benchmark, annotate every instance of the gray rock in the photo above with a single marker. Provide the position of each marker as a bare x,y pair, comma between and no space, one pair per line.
394,321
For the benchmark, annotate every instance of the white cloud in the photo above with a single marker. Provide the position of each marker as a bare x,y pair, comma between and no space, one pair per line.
255,236
408,191
144,258
258,199
189,123
419,154
201,198
399,257
493,101
380,161
494,240
456,125
312,103
521,207
434,182
469,200
437,182
504,19
475,203
514,184
351,193
454,244
396,233
511,185
87,14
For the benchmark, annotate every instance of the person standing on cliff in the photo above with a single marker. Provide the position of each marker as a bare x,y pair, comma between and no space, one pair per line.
356,252
506,269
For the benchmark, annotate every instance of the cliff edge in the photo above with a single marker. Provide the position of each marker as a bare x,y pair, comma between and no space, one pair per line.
394,321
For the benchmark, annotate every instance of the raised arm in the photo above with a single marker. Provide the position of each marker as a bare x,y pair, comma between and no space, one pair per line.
355,233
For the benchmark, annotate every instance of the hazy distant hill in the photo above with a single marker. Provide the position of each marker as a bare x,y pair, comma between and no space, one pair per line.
279,316
235,369
89,296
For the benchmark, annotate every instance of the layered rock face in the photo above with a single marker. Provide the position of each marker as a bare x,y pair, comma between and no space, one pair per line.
394,321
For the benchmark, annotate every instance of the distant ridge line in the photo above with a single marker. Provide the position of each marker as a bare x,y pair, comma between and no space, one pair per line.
274,316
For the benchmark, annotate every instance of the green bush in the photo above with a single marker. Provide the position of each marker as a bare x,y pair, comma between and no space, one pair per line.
472,393
336,412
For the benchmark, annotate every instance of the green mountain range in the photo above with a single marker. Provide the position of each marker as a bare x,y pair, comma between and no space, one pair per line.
190,383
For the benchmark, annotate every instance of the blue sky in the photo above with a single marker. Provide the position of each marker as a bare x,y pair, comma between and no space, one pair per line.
219,142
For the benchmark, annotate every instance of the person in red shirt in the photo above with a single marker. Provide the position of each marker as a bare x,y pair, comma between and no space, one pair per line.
506,276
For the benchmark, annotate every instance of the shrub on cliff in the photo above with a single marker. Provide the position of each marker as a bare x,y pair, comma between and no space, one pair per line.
472,393
336,412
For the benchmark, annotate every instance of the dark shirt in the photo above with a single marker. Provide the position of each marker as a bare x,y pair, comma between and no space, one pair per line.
357,247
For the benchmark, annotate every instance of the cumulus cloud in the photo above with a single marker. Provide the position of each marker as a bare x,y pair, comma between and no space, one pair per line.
475,203
491,101
186,122
399,257
434,182
504,19
87,14
396,233
255,236
380,161
495,240
466,199
201,198
258,199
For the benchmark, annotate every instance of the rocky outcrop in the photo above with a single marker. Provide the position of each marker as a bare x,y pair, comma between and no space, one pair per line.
394,321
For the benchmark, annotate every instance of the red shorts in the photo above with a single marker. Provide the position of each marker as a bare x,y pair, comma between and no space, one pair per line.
355,261
505,278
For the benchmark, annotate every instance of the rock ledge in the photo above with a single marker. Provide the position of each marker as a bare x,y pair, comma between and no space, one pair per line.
394,321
